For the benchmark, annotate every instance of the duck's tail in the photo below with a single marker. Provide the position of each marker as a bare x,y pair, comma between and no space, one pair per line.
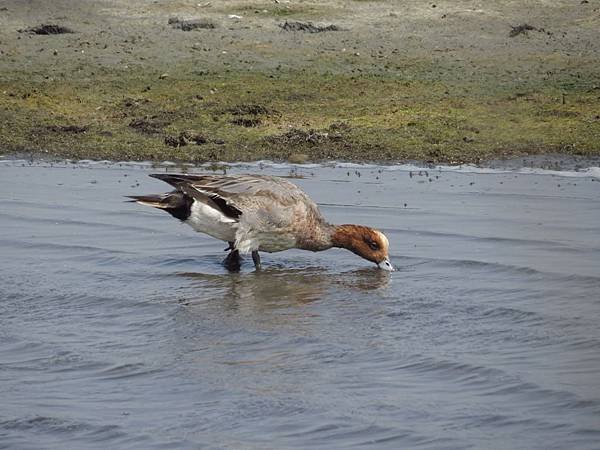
157,201
175,203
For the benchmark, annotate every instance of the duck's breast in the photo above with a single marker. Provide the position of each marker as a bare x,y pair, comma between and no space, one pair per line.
266,226
275,242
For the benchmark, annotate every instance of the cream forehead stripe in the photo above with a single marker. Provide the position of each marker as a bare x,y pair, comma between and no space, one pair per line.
384,239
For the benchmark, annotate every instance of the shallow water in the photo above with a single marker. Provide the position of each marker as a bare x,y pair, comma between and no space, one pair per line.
120,329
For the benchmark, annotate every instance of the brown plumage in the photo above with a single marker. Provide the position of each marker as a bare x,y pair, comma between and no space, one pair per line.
364,241
261,213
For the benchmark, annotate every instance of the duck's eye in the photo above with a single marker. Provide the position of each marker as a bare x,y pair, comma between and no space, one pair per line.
373,245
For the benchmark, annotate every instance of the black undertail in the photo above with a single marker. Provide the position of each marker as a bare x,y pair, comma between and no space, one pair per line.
184,183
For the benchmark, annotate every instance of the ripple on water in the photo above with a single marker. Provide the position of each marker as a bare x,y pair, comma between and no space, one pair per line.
119,327
57,430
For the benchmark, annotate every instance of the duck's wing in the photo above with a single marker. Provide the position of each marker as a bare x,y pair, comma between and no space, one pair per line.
232,185
239,194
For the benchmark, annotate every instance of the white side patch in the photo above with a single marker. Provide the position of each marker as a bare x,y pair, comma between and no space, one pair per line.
211,221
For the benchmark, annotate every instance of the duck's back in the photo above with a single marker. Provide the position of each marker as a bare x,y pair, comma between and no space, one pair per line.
258,212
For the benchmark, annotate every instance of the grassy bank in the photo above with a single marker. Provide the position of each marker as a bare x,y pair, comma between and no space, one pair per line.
194,116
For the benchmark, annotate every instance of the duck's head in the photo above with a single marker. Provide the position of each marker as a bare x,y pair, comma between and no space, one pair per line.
366,242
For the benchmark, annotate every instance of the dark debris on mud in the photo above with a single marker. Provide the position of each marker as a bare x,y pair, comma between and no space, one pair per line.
71,129
307,27
191,24
145,126
149,124
334,142
248,122
131,102
47,29
185,138
246,114
525,28
248,109
301,138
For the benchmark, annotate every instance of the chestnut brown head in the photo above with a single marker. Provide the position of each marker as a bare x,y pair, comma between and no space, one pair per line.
366,242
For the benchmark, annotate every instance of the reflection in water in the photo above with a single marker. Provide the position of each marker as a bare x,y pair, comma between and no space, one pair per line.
276,288
263,320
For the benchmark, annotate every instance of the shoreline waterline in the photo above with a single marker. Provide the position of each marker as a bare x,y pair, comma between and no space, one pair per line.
558,165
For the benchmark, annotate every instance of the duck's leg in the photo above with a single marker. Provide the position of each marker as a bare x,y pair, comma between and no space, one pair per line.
256,259
233,260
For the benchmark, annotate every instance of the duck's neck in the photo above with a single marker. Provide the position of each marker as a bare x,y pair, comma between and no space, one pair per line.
325,236
316,237
344,236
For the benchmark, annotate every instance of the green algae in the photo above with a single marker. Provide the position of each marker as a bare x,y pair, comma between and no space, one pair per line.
250,116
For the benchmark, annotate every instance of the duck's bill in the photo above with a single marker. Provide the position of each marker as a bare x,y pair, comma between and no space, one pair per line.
386,265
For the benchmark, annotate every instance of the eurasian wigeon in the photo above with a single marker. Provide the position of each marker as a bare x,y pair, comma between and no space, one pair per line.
261,213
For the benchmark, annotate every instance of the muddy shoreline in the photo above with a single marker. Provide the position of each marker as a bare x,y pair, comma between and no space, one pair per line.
299,81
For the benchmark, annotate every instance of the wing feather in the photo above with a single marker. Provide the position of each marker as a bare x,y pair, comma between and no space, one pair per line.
234,188
265,202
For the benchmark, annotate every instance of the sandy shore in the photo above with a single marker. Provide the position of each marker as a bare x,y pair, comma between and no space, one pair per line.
443,81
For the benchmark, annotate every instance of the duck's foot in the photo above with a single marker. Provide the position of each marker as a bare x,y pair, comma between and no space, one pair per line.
233,261
256,259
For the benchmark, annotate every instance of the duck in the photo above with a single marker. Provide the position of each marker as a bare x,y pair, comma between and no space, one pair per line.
261,213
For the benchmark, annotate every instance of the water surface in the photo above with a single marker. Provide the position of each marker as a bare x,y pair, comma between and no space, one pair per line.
119,328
